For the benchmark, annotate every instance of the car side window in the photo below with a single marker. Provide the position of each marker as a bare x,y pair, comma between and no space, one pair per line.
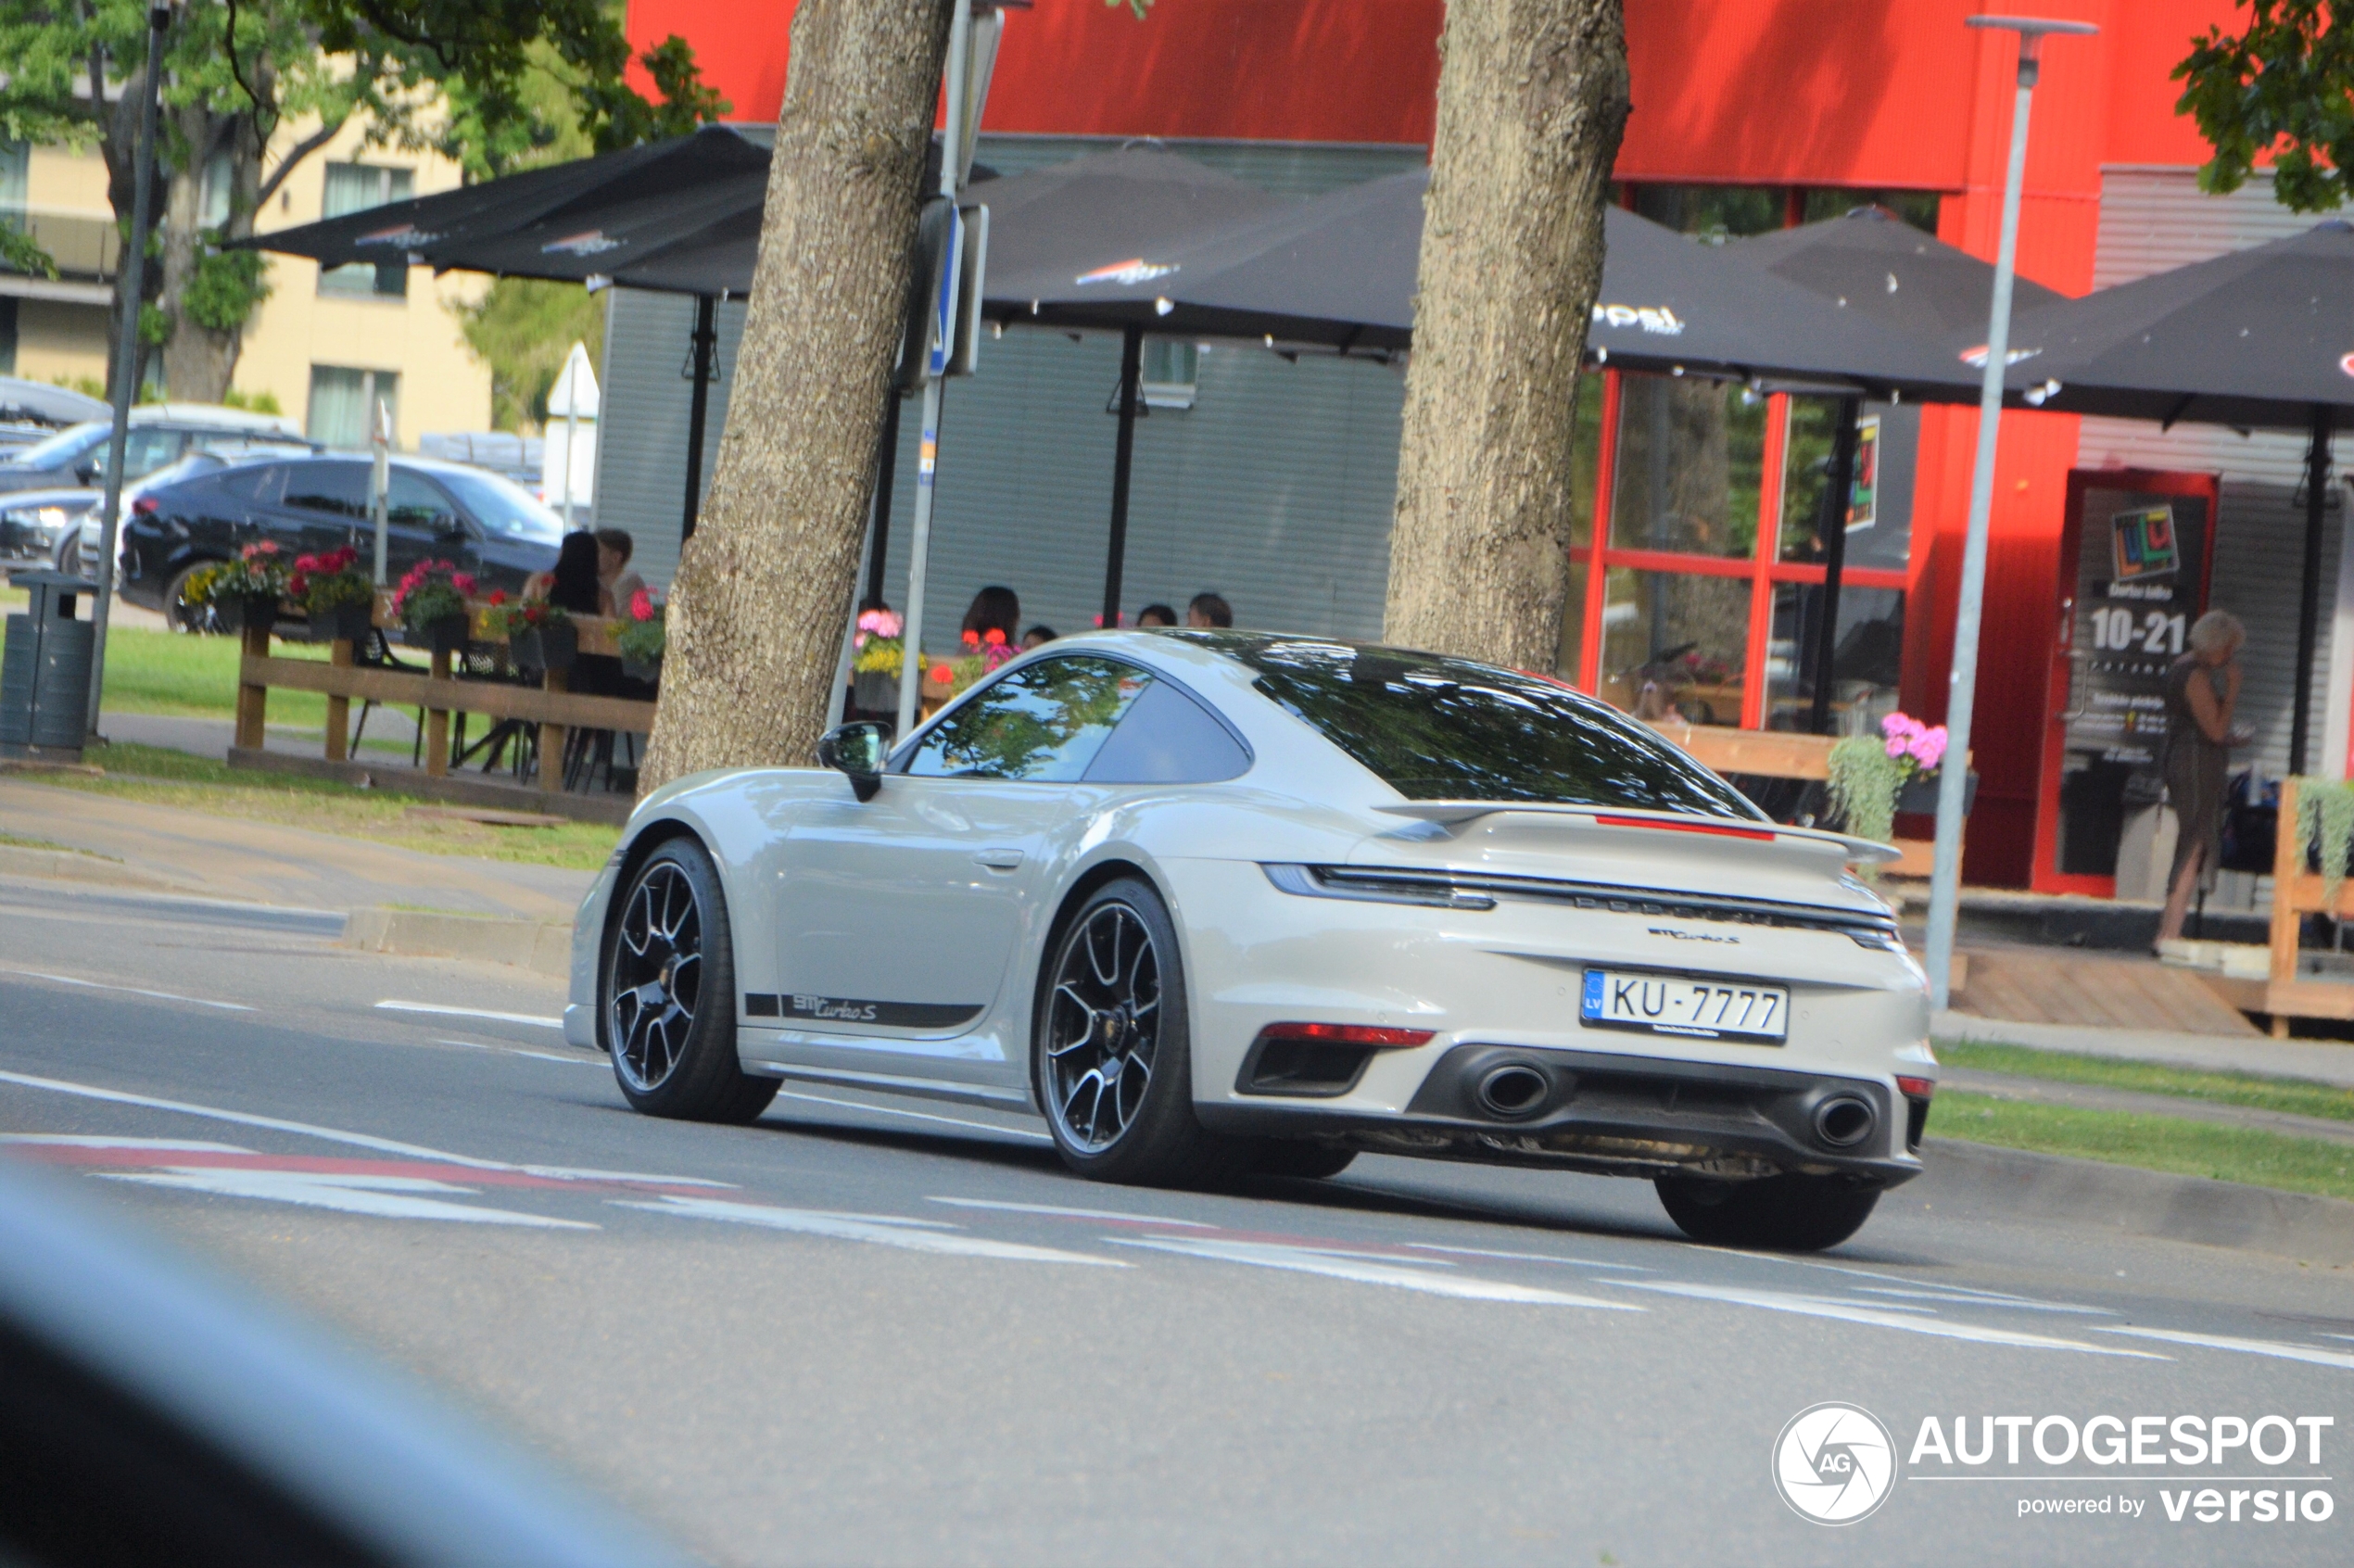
1168,738
338,488
143,451
1044,722
262,483
412,503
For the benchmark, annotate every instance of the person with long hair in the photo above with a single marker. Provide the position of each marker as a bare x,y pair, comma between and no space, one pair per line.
994,608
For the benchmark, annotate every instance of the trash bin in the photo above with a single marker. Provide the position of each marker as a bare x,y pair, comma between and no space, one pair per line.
45,674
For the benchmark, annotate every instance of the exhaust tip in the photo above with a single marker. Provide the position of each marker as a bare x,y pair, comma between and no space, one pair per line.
1843,1120
1513,1090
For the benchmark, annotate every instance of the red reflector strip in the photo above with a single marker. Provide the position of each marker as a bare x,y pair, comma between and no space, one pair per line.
1347,1034
1763,834
1918,1088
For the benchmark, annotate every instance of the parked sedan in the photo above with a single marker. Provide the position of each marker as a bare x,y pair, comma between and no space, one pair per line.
159,433
1211,902
484,523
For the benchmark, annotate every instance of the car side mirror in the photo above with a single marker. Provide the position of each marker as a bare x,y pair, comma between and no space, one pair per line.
446,527
858,750
86,472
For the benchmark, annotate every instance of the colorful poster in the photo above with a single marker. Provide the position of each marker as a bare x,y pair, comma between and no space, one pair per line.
2142,543
1863,497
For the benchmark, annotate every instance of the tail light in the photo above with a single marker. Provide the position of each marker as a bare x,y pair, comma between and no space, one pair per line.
146,506
1347,1034
1918,1088
1319,1060
1916,1093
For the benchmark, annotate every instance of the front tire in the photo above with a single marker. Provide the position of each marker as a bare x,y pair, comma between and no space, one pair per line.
666,1001
1111,1052
1784,1213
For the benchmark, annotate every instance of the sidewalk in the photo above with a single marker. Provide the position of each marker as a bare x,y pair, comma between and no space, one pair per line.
268,863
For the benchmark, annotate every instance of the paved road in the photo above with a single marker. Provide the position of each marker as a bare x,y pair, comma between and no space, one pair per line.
864,1331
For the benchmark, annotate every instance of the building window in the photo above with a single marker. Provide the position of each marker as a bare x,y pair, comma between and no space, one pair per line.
214,190
355,187
1167,377
1918,207
343,400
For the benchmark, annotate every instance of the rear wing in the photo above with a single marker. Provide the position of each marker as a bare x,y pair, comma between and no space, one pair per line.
1451,814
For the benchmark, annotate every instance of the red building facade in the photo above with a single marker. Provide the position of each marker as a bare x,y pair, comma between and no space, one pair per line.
1801,99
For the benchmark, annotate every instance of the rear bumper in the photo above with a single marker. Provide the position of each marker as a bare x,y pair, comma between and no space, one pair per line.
1617,1115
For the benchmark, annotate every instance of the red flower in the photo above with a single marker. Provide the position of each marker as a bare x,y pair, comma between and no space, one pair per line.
498,596
641,606
995,638
306,564
972,639
943,675
463,582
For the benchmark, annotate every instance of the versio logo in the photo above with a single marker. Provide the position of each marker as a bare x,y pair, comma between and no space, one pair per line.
1834,1463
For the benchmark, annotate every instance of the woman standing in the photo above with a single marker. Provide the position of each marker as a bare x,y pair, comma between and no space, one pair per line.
2202,690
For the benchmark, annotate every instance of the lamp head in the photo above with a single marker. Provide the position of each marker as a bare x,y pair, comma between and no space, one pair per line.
2031,31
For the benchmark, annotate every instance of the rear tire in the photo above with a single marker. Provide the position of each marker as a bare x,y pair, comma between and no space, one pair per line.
1300,1158
665,1001
1111,1053
1775,1213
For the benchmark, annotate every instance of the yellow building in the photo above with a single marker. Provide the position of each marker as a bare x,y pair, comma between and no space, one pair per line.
326,343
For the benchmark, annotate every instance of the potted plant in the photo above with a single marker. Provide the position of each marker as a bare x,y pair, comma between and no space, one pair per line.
336,593
876,656
246,591
540,636
431,605
1873,776
643,636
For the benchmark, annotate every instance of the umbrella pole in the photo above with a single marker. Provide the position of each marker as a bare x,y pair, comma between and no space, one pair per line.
886,470
1838,487
706,340
1132,355
911,664
2309,609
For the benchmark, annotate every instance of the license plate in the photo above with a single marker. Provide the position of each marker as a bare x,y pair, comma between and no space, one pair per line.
1679,1005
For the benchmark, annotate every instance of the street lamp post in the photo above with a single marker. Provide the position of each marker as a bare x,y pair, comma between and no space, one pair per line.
1944,886
126,349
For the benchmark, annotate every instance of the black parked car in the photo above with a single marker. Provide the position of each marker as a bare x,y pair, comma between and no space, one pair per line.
482,523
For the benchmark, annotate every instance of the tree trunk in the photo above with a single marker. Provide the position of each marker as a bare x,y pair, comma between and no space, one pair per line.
1532,97
199,362
118,148
757,607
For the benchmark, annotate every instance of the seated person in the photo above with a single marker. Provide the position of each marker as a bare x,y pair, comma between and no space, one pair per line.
1155,615
615,548
1037,636
997,609
1208,610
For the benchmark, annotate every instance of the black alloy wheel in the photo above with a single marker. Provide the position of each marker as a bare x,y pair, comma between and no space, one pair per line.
1111,1057
181,616
667,1015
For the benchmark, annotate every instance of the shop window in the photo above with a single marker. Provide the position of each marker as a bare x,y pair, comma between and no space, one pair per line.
355,187
1675,643
1866,657
1690,455
342,401
1715,213
1918,207
1878,515
1169,375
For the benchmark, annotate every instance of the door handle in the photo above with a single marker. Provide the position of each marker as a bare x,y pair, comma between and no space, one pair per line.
999,859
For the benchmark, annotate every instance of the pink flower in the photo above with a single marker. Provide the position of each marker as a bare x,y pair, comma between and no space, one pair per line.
641,606
463,582
1928,747
882,623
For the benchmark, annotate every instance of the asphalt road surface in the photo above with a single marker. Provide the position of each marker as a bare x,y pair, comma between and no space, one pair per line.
869,1331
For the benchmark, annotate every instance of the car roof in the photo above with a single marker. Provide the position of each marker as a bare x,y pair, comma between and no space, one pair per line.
215,416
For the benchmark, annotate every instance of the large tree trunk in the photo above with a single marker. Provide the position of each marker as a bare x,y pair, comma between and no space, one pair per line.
118,147
758,606
198,361
1532,97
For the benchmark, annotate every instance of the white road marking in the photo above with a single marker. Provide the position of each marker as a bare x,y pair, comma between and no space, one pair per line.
519,1051
99,1141
1982,1298
2288,1352
1530,1257
533,1019
383,1197
1365,1271
130,990
1071,1213
1878,1317
335,1135
1958,1293
2338,1336
916,1115
880,1230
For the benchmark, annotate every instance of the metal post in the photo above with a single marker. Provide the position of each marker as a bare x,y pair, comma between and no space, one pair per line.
911,668
706,340
1953,779
380,483
126,349
886,470
1131,354
1839,490
572,445
2309,609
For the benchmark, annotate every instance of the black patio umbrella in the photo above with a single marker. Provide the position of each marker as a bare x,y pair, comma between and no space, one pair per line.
1873,265
2259,337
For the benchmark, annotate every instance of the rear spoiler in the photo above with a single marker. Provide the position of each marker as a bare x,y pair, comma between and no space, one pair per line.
1453,813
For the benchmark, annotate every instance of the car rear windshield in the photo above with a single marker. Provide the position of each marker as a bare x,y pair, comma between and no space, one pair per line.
1435,729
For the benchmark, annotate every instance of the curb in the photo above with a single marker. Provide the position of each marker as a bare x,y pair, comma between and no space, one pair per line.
74,866
544,947
2142,1203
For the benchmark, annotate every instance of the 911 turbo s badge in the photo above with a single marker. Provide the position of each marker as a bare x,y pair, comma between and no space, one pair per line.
842,1009
1692,936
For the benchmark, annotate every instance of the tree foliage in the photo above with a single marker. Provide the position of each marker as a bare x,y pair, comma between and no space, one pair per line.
523,328
2285,88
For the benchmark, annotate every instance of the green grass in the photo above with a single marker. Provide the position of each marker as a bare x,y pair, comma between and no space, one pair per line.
18,841
2153,1143
2295,1096
157,672
162,777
